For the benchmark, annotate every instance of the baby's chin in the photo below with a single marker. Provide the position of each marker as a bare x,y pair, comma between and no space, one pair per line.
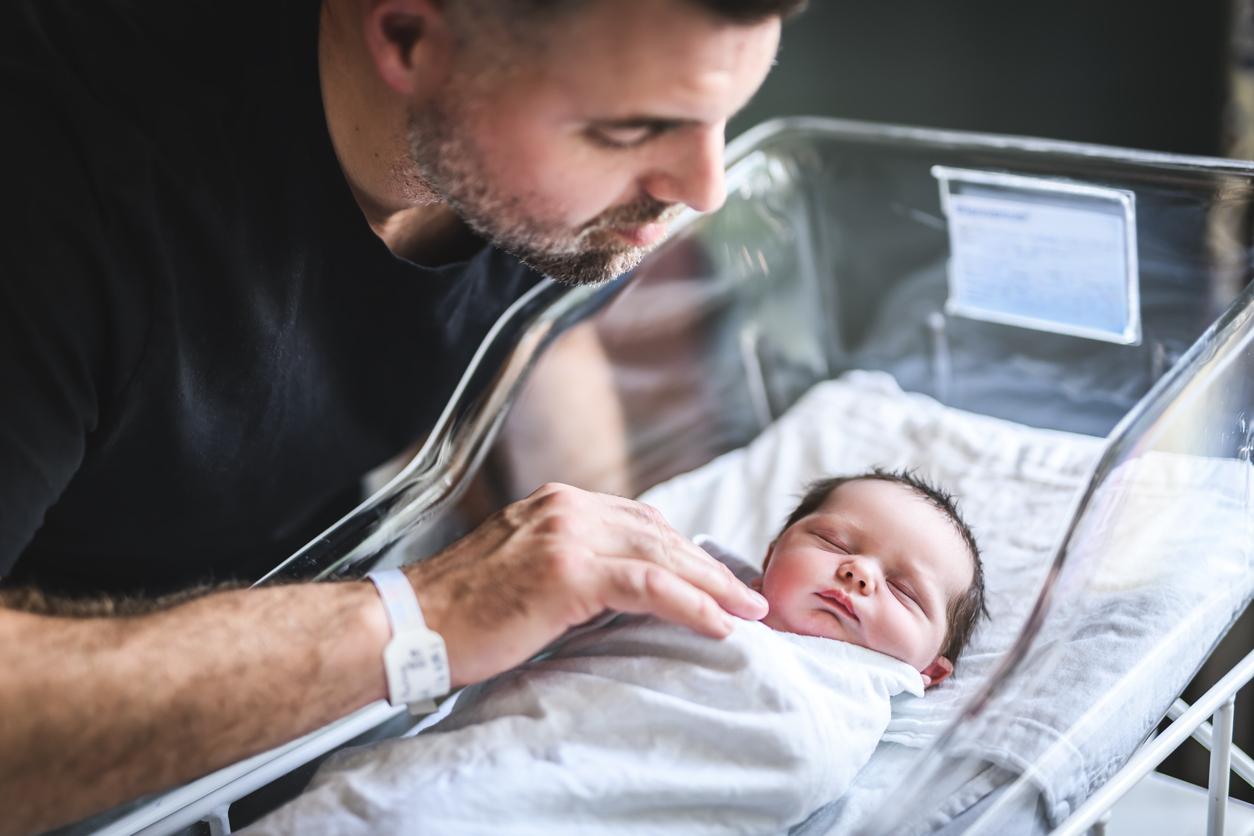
813,622
831,629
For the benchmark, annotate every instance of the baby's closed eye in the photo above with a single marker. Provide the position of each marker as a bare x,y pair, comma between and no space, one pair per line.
832,541
907,593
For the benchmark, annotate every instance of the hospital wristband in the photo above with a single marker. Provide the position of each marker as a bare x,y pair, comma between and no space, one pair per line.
415,659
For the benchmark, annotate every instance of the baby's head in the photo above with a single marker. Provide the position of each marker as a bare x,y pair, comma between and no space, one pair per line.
881,560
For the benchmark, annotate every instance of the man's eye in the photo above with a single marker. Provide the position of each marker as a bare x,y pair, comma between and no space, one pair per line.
623,137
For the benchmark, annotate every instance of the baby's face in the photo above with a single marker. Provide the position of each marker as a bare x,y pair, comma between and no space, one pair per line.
875,565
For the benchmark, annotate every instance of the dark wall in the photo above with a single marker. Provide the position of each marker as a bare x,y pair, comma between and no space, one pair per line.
1139,73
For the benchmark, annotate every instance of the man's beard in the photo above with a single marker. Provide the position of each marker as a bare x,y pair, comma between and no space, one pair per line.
451,171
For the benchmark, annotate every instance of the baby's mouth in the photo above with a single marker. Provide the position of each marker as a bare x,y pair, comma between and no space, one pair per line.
840,601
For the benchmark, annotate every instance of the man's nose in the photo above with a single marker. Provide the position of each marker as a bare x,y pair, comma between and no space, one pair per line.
859,575
694,176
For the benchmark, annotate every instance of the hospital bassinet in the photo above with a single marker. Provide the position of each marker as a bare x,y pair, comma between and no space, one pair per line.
836,252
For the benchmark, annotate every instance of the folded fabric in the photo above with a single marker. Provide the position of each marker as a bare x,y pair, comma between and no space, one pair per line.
640,727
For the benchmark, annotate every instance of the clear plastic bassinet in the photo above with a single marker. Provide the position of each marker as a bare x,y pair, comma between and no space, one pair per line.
832,254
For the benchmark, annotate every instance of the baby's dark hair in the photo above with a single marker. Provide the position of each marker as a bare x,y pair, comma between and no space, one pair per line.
964,611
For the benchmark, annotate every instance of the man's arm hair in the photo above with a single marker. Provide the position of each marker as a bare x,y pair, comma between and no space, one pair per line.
95,710
32,599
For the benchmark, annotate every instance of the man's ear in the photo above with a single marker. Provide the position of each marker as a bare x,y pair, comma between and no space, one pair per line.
410,42
937,672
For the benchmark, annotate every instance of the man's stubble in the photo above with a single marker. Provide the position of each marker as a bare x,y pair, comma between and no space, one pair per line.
445,166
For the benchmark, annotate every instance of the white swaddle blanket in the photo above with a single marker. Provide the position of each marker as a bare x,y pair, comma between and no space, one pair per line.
637,727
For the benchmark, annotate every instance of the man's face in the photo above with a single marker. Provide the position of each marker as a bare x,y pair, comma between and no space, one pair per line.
875,565
574,150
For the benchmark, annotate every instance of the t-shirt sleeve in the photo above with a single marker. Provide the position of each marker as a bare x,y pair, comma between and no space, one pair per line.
55,355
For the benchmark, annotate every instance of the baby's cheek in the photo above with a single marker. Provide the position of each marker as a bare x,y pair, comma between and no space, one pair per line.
777,601
786,611
777,618
894,638
774,587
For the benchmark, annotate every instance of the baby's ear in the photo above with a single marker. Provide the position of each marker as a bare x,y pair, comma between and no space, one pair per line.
937,672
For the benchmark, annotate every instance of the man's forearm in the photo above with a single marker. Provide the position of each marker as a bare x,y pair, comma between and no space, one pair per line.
94,711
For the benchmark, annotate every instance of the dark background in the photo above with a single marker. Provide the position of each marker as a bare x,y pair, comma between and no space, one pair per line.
1145,74
1135,73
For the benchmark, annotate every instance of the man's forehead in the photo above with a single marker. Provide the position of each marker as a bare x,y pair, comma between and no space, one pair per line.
656,59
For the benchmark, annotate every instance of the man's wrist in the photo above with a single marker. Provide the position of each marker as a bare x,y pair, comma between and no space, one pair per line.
435,610
417,575
415,658
373,617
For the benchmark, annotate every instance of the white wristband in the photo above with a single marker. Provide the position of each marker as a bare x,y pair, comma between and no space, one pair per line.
415,660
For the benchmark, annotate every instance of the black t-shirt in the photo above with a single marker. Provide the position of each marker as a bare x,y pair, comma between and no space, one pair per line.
203,346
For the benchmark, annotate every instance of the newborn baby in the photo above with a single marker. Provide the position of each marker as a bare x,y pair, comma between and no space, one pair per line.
639,726
883,561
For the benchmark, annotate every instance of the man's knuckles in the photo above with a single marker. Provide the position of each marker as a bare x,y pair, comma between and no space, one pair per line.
556,524
551,493
553,501
653,518
642,583
569,570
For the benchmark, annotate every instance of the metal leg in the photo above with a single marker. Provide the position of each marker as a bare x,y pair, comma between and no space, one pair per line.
1213,702
1242,764
219,821
1220,764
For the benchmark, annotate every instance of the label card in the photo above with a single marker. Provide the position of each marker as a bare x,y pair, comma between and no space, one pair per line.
1053,255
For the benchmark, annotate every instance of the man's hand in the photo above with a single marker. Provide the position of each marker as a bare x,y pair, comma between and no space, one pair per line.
559,558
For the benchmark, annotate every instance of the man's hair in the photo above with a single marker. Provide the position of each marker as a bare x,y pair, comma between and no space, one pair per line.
33,600
964,611
501,26
738,11
751,11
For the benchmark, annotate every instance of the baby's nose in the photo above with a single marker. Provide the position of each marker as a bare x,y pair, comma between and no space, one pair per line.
858,577
854,578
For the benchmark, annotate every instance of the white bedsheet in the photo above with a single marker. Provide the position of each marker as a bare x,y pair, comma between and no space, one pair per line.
640,727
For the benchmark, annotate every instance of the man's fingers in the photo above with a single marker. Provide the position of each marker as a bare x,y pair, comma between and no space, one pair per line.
637,586
656,541
558,558
611,526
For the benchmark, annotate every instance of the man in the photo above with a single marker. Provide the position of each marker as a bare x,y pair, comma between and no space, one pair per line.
243,264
